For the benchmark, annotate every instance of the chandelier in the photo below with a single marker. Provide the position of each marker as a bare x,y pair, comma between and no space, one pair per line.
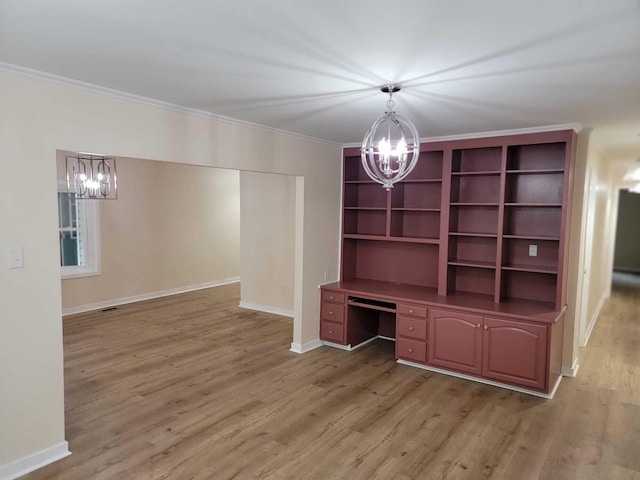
391,147
92,177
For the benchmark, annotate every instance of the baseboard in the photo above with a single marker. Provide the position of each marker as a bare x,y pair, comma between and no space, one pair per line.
485,381
147,296
571,371
266,309
349,348
306,347
594,318
32,462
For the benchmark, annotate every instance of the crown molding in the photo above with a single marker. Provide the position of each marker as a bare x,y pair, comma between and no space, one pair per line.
119,94
576,127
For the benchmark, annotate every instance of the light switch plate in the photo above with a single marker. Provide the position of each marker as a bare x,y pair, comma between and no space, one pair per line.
533,250
15,258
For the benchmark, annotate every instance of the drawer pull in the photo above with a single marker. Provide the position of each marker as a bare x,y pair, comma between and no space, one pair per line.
486,328
411,350
331,297
411,310
411,329
330,332
478,325
331,312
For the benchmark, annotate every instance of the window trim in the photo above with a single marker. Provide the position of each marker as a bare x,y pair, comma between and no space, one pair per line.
92,266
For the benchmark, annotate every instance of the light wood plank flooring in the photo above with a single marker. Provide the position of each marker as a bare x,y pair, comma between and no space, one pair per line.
193,387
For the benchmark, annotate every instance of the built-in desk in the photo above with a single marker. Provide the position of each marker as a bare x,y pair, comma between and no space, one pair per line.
514,344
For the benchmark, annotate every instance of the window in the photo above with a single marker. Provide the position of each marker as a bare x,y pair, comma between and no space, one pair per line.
78,227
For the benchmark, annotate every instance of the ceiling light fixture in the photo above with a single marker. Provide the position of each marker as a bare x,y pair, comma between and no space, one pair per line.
391,147
92,177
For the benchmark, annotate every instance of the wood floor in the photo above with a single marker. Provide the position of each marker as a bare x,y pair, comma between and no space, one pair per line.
193,387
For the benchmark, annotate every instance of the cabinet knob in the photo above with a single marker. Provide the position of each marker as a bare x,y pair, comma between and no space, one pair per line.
411,329
478,325
411,310
330,297
486,328
411,350
330,331
330,312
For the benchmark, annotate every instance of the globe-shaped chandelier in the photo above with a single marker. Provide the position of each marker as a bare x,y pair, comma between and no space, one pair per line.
391,147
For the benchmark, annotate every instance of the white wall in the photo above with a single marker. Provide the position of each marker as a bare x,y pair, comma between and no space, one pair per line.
267,204
172,226
40,116
592,223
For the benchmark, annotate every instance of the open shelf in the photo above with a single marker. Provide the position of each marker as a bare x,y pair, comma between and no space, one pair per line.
475,189
474,219
485,160
365,222
533,221
527,268
546,156
471,279
535,188
415,223
397,262
515,255
536,171
526,285
429,167
475,264
479,251
370,195
416,195
463,222
532,237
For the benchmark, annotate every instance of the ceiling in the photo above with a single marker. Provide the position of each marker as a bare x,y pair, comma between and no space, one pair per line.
314,67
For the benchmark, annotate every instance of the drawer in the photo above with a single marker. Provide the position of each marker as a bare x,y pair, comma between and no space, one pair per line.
412,350
332,297
332,332
332,312
412,310
411,327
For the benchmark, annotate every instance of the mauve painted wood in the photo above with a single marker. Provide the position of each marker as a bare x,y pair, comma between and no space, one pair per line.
530,193
412,350
397,262
516,254
411,327
334,297
387,324
455,341
362,325
444,222
515,353
332,311
532,311
535,188
497,279
533,221
472,249
476,159
474,219
332,332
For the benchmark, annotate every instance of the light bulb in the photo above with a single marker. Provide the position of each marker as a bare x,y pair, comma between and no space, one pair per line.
384,147
402,147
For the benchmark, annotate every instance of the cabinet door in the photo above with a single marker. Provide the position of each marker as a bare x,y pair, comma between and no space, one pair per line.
455,341
515,352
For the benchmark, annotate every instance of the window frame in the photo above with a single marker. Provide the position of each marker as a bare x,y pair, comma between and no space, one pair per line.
90,228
